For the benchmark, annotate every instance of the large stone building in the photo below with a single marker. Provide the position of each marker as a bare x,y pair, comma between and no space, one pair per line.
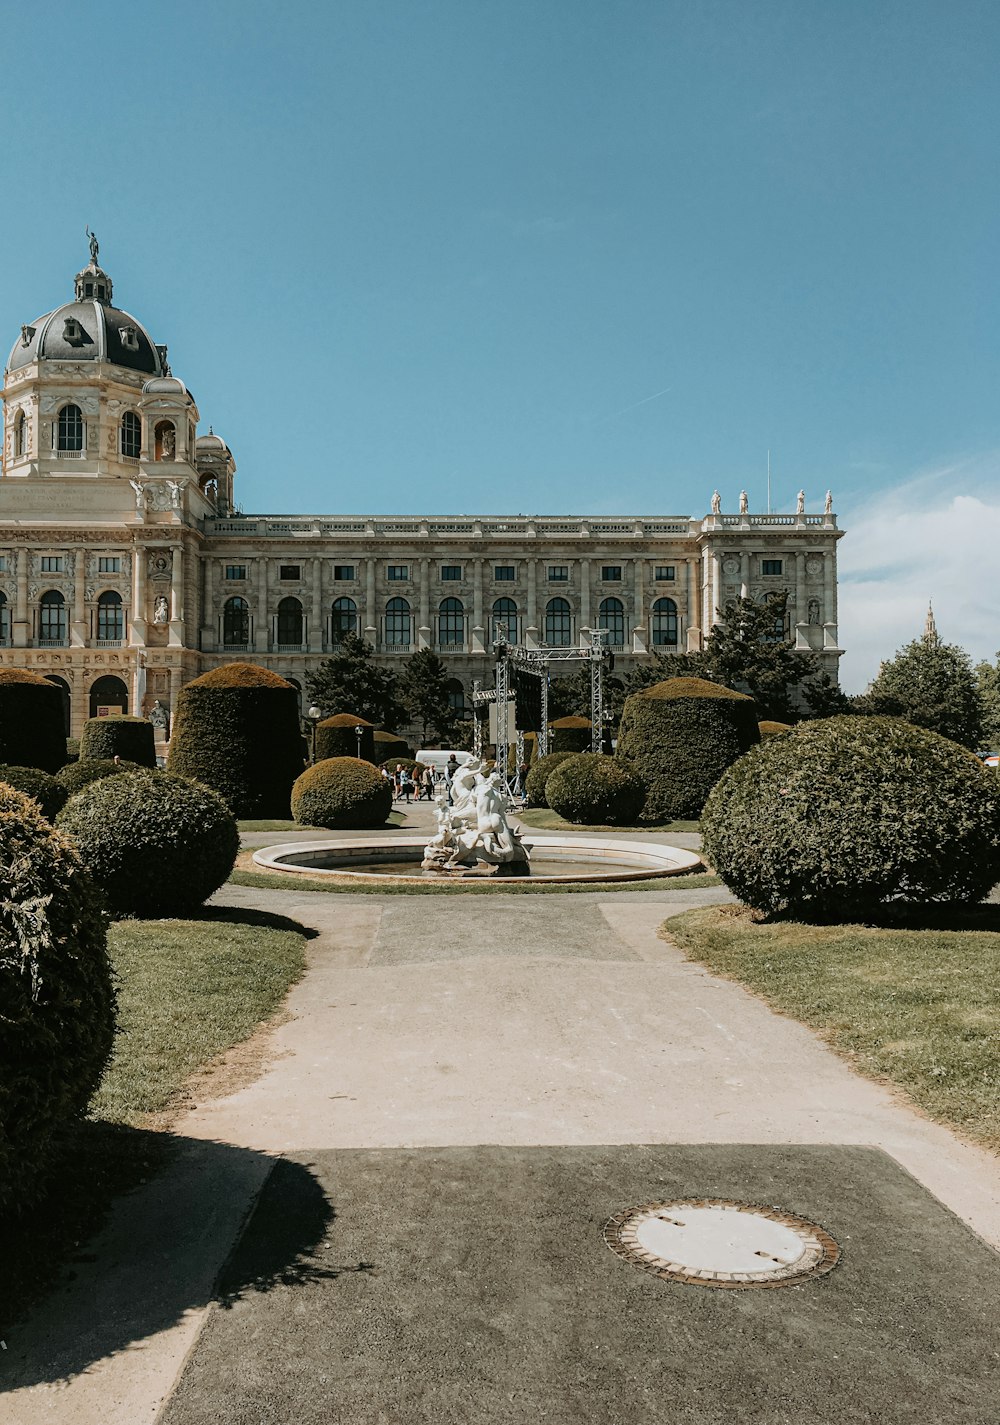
126,568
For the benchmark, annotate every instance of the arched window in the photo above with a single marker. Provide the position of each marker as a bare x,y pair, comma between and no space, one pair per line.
664,624
70,429
110,619
131,435
164,441
397,622
343,619
235,623
4,618
52,618
289,621
612,617
20,434
451,623
505,614
558,623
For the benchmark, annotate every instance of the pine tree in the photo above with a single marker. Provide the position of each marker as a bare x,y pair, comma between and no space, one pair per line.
351,681
424,689
988,686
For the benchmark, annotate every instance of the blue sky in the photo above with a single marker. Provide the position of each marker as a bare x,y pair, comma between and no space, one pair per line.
545,256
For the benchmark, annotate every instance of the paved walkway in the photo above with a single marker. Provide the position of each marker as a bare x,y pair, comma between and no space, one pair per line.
434,1024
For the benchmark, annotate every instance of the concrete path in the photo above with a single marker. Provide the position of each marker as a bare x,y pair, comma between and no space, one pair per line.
445,1023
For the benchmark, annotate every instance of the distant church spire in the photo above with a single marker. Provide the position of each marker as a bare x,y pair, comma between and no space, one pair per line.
930,627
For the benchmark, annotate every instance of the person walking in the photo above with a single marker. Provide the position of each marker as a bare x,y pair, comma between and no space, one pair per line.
405,784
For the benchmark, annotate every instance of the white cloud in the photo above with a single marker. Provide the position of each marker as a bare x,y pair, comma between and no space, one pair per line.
936,537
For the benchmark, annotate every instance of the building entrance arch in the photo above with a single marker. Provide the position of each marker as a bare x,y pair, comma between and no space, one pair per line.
108,692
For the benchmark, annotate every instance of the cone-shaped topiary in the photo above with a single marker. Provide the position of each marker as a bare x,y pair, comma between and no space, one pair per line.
32,729
539,774
848,814
772,729
680,736
131,738
570,734
56,994
590,789
390,744
236,729
33,782
77,775
342,791
336,737
155,844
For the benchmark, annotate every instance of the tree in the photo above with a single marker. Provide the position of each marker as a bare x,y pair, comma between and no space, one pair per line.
351,681
424,689
988,685
569,696
933,685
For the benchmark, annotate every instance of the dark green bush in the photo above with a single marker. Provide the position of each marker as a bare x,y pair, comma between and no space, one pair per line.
336,737
57,999
847,815
77,775
414,768
33,782
772,729
539,774
530,751
32,729
130,738
389,745
156,844
680,736
236,729
570,734
342,791
72,749
591,789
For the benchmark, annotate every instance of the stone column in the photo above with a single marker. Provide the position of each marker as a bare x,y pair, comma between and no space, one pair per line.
531,631
316,629
79,631
262,620
20,628
137,631
830,598
209,616
800,617
371,617
640,633
693,608
716,584
585,615
478,630
176,637
424,635
744,575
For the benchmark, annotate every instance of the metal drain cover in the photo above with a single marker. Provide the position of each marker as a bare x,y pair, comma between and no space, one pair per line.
715,1242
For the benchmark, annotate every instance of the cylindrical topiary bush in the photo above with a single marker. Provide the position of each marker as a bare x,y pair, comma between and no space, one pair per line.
590,789
570,734
131,738
33,782
539,775
56,994
77,775
680,736
72,749
336,737
342,791
389,745
155,843
32,727
768,728
847,815
236,729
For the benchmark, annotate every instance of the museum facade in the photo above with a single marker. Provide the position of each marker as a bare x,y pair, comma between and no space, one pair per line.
126,567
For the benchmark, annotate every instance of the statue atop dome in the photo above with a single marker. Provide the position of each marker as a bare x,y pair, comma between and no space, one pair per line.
94,246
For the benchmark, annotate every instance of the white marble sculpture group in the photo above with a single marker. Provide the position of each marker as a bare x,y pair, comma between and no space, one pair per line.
473,833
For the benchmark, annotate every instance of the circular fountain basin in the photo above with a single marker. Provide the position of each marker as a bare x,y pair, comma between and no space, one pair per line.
553,859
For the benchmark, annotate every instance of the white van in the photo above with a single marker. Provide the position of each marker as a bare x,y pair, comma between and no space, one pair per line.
437,758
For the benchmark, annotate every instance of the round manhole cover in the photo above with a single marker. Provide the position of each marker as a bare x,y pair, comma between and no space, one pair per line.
713,1242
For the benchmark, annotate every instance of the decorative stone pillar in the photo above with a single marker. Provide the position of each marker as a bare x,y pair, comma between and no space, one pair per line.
176,637
137,629
800,618
424,638
78,629
716,585
209,615
478,629
585,616
640,638
21,624
531,631
371,618
830,598
262,622
693,608
744,575
316,632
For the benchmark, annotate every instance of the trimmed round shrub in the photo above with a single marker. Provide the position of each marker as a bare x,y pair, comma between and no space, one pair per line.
56,994
236,729
539,775
155,844
342,791
32,728
590,789
846,815
772,729
570,734
77,775
130,738
336,737
39,785
680,736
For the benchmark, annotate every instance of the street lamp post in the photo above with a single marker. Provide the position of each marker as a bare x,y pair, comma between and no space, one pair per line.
359,732
314,714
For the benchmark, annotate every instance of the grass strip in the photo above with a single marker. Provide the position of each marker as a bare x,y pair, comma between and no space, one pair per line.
275,881
395,818
918,1006
545,819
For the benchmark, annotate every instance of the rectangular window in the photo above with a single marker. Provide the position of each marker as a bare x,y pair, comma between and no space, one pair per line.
52,564
665,572
451,571
558,573
611,573
398,571
771,566
289,571
109,564
343,572
504,574
236,571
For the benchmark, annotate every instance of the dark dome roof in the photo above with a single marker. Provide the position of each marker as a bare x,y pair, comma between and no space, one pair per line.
100,335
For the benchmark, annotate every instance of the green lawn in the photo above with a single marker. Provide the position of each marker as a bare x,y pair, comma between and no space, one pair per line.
395,818
546,819
917,1007
276,881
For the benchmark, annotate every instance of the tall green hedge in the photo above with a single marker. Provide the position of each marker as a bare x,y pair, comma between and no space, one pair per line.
390,744
236,729
570,734
336,737
32,729
131,738
680,736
